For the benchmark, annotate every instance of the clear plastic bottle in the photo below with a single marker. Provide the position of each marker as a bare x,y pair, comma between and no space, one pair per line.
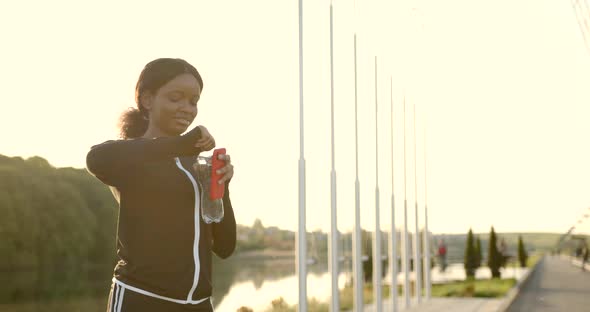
211,209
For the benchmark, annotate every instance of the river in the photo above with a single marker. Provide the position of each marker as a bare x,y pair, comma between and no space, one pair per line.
237,282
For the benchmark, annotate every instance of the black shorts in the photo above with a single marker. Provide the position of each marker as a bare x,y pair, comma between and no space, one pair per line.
126,300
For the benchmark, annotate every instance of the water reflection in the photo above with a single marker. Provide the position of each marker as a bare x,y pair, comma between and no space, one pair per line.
255,283
237,282
253,290
456,272
246,294
55,290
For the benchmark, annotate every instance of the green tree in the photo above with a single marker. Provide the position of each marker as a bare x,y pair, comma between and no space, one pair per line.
257,226
522,254
57,224
494,256
257,237
470,256
367,249
478,252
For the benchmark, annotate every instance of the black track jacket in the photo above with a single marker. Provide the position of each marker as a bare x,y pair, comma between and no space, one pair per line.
163,244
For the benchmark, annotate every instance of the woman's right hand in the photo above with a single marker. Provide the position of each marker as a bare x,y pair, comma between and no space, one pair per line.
206,142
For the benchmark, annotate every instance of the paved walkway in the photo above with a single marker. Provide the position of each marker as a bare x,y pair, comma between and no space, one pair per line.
457,304
558,285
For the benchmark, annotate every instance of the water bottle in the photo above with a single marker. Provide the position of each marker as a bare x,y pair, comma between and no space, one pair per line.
211,192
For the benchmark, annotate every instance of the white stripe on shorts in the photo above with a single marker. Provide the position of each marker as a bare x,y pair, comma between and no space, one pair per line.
121,294
114,300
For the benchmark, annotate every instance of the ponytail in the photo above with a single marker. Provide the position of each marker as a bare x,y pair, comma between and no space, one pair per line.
133,123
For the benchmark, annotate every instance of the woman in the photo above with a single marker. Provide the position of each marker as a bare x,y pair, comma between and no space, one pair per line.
163,245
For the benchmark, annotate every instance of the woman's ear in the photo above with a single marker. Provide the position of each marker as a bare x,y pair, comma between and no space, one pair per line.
147,100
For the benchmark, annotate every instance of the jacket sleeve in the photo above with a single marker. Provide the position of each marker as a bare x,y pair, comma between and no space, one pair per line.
224,232
112,161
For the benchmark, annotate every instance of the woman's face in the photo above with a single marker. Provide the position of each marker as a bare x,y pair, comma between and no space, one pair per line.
174,106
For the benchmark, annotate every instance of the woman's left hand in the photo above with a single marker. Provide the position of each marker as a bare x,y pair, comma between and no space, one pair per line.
227,170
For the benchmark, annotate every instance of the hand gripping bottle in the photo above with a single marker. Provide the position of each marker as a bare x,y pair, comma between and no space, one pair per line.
211,191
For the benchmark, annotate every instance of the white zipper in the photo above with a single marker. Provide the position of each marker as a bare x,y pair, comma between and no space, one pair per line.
197,231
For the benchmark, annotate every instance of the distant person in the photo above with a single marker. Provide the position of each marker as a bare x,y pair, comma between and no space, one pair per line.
585,258
442,255
163,245
578,252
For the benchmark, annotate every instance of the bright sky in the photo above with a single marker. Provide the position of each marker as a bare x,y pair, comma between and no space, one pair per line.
501,88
